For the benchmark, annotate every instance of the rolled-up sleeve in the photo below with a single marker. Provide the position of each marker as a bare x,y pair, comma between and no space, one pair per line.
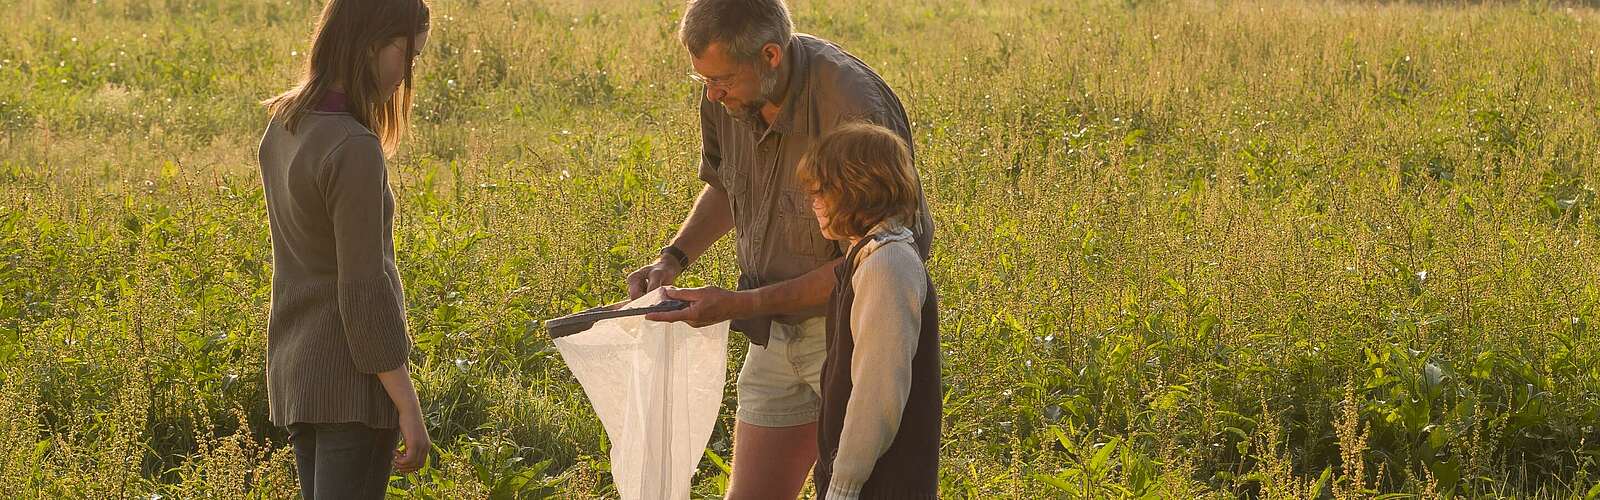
710,145
371,303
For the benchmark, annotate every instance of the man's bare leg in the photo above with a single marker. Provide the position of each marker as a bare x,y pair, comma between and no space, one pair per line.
771,462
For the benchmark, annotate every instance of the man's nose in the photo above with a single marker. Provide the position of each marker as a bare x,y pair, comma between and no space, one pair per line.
714,94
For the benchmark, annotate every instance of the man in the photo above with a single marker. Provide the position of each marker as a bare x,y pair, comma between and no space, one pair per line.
768,94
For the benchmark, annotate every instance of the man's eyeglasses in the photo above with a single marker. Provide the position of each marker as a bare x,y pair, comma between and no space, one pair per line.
720,83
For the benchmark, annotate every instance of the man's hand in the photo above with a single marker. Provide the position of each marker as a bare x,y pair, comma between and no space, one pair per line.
707,306
657,274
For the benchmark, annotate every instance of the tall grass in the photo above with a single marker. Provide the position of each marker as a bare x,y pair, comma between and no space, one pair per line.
1277,249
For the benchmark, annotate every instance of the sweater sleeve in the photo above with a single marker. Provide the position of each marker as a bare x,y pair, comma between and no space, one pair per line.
885,322
371,307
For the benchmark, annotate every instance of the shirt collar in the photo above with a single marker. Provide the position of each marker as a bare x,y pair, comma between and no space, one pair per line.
797,59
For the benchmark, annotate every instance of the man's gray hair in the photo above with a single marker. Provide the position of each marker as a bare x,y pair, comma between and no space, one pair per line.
743,26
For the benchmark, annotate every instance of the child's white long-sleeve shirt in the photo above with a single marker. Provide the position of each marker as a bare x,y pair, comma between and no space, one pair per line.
890,284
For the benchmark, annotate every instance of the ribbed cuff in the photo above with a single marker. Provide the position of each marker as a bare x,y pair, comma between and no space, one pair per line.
843,489
374,321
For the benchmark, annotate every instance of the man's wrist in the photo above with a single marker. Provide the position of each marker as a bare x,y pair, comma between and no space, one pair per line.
663,260
676,255
750,302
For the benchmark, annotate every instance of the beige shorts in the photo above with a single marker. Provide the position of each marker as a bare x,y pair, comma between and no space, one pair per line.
780,385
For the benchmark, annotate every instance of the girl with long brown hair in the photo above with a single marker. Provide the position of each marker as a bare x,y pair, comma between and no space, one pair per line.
336,337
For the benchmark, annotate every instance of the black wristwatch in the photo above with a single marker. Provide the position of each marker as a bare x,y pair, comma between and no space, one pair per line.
676,253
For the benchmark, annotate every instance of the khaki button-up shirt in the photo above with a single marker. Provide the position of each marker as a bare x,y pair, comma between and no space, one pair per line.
777,235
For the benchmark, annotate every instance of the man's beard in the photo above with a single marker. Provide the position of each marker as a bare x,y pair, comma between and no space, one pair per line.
750,112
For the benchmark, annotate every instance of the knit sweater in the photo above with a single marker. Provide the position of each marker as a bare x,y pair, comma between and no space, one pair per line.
337,316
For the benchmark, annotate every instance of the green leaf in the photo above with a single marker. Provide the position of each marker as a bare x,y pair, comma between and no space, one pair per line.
1056,482
1097,464
508,486
1446,473
718,461
1322,482
1061,437
1207,325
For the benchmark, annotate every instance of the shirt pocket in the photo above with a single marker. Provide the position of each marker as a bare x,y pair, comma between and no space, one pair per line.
734,185
801,232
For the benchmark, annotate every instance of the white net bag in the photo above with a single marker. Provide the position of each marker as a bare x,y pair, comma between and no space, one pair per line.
657,388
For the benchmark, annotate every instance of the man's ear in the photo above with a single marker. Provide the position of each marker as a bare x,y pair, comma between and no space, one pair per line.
772,53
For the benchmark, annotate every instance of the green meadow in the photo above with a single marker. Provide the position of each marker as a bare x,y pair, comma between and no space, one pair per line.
1184,248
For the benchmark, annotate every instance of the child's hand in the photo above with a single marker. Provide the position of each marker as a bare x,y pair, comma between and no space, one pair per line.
415,435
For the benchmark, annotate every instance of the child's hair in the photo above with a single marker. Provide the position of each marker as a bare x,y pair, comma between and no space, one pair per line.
864,173
344,48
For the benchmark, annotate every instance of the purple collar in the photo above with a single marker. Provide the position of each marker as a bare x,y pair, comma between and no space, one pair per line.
333,102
